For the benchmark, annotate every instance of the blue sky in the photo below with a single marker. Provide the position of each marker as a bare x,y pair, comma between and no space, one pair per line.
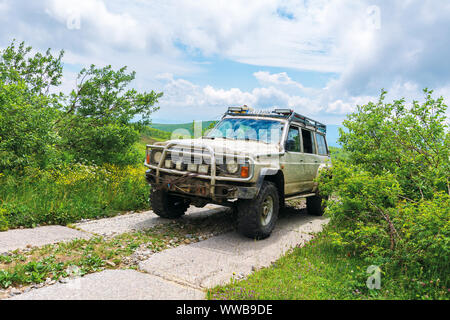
321,58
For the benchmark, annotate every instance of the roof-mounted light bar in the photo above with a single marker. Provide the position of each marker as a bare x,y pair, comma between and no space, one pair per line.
283,111
243,109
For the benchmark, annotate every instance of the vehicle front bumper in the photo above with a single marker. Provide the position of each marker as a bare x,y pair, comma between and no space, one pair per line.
193,187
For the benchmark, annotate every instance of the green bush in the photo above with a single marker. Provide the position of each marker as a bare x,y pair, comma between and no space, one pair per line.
362,208
3,220
412,142
109,143
26,133
390,196
424,233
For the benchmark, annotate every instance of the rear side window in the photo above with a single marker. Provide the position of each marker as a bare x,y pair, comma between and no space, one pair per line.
308,142
293,140
321,144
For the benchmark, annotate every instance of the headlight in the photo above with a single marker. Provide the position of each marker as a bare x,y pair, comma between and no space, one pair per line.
232,167
157,156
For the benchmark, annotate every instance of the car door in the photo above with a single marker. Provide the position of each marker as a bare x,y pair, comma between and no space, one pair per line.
311,160
292,163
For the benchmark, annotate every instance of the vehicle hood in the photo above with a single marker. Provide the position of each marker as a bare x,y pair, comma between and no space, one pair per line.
228,146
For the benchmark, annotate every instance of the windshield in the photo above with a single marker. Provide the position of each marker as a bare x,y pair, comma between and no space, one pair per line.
268,131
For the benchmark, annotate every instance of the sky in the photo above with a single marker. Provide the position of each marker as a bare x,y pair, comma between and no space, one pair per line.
321,58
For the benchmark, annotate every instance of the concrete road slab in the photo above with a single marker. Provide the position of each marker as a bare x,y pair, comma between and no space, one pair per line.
114,285
215,261
21,238
139,221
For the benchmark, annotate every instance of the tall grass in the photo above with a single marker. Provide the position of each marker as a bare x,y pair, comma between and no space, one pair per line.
68,194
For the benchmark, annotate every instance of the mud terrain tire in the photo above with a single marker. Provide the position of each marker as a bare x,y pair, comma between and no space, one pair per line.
315,206
257,217
168,206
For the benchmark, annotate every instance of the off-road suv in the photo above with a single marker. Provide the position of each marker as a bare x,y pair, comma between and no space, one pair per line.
251,161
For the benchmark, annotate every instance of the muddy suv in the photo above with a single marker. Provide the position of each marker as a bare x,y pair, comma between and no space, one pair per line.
251,161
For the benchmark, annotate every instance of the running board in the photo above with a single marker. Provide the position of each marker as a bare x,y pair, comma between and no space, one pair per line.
304,195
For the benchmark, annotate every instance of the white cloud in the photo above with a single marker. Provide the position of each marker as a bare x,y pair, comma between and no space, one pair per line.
403,47
113,28
3,7
277,79
193,101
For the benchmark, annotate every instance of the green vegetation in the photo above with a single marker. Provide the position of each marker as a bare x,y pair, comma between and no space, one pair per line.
391,197
321,271
182,128
338,153
389,206
67,194
68,157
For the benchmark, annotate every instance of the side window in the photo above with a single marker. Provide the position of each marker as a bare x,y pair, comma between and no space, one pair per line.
308,142
293,140
321,144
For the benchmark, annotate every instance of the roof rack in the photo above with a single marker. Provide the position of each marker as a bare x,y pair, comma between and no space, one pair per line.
278,113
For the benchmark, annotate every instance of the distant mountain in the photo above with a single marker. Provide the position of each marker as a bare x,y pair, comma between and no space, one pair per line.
186,126
332,130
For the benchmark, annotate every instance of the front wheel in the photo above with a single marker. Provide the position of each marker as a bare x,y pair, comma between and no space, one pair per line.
166,205
257,217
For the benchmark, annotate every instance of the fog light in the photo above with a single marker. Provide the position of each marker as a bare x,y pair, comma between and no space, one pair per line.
203,169
169,164
192,167
179,166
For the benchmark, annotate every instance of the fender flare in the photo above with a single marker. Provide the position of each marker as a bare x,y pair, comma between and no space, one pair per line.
265,172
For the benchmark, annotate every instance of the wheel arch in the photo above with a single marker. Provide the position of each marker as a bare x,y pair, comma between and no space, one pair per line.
275,176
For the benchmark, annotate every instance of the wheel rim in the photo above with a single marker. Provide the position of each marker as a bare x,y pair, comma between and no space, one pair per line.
267,211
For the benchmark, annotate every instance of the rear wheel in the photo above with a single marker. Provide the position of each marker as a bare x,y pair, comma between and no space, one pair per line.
315,205
166,205
257,217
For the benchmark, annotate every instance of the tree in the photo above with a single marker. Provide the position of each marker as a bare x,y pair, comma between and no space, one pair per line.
27,108
96,123
39,73
26,128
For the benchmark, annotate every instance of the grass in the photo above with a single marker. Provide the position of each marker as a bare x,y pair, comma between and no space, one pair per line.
320,271
71,193
54,262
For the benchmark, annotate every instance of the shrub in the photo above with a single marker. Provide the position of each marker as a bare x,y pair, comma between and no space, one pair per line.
26,132
390,197
424,228
3,220
412,142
